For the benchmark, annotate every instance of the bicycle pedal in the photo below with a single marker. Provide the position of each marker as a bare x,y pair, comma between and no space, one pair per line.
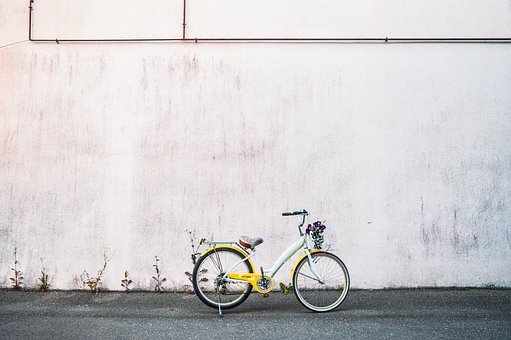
265,295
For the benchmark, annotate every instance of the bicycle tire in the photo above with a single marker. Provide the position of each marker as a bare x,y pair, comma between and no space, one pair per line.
206,290
316,296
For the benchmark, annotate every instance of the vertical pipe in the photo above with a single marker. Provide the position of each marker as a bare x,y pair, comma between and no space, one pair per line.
184,19
30,20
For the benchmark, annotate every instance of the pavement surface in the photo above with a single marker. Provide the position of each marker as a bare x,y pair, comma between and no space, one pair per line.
381,314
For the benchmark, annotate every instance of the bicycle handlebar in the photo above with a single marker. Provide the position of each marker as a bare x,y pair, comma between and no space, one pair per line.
295,213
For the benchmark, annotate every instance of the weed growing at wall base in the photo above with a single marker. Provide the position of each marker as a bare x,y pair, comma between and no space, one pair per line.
95,282
285,289
195,251
195,247
17,279
158,279
43,284
126,282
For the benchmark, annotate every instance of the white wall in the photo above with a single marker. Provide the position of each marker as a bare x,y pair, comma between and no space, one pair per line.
404,149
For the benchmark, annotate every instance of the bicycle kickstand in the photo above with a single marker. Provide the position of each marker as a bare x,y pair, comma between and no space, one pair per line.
219,301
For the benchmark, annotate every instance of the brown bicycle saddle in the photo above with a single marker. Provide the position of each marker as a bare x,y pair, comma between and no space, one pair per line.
249,242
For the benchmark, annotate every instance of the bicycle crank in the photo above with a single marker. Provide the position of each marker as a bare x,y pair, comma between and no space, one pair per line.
264,284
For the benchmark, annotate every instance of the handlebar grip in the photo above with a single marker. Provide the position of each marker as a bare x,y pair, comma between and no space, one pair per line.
294,213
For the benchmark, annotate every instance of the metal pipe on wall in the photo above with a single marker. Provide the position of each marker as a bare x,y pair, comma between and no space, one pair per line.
427,40
292,40
184,19
30,20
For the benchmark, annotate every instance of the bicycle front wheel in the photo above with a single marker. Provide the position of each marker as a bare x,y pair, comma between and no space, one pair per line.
209,281
326,295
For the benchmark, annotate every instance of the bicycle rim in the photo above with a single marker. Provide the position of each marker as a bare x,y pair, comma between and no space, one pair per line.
210,288
317,296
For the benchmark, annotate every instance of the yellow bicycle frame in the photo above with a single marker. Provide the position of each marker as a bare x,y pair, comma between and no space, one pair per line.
246,277
252,278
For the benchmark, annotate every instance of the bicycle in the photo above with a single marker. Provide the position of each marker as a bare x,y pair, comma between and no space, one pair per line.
224,275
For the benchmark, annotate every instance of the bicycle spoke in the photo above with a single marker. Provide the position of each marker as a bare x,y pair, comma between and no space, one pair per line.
310,277
215,264
219,262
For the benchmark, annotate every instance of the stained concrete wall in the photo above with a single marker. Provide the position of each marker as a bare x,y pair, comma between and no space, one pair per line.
404,149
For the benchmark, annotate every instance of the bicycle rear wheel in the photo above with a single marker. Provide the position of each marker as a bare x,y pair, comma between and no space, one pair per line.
208,282
317,296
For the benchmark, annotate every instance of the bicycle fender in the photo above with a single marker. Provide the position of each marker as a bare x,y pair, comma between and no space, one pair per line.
224,246
302,256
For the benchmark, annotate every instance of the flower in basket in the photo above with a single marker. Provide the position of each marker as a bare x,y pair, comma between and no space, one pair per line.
315,230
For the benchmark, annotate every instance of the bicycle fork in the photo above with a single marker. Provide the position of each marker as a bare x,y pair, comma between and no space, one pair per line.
313,267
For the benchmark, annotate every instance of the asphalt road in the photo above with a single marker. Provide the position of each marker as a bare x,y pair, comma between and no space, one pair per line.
431,313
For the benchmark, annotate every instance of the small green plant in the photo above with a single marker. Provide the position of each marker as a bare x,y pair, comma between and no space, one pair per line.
158,287
17,279
126,282
285,289
195,249
43,283
95,282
